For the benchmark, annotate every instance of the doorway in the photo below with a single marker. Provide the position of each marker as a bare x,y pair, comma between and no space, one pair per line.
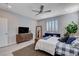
3,31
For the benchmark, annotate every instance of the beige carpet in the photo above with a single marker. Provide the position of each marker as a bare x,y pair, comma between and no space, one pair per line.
29,51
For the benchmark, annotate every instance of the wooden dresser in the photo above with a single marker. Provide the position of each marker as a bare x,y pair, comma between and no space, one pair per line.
24,37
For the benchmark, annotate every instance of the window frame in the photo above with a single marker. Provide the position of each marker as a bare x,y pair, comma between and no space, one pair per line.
52,27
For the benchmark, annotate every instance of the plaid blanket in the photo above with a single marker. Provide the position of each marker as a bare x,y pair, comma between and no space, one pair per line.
66,49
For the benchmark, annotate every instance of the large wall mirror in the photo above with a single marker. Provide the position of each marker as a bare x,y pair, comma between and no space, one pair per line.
38,32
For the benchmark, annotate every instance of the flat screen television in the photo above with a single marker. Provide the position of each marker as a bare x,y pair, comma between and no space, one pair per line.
23,30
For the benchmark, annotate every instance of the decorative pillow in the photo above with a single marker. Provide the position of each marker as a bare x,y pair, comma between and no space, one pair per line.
47,37
54,35
63,39
75,44
70,40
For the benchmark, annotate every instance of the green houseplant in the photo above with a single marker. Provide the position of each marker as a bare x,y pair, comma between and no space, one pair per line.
71,28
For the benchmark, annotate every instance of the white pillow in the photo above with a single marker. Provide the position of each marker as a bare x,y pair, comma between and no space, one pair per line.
54,35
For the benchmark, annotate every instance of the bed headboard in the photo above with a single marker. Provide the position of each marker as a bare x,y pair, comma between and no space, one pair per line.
51,34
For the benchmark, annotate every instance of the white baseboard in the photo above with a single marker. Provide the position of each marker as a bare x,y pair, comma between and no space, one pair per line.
12,43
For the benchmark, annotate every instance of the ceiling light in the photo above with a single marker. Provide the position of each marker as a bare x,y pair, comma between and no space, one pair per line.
9,6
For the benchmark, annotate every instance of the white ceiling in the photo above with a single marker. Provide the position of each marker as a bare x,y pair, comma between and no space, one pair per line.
25,9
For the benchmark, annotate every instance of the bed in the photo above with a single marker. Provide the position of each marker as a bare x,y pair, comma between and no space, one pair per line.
47,45
54,46
64,49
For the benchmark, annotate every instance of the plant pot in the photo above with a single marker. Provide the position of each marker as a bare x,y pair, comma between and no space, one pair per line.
72,35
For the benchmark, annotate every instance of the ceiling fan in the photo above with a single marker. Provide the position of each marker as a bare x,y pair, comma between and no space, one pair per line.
41,10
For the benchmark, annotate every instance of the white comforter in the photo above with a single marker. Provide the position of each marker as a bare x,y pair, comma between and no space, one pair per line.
48,45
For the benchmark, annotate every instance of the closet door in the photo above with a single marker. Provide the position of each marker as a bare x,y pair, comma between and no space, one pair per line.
3,32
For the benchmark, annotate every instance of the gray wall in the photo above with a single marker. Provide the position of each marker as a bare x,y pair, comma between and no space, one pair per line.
14,21
63,21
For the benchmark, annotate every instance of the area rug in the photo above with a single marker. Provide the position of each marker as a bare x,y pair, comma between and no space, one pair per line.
29,51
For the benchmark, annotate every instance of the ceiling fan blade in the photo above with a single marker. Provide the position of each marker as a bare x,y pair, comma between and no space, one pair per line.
35,11
41,8
38,13
48,11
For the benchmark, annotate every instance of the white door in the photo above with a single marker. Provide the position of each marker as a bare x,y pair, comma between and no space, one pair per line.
3,32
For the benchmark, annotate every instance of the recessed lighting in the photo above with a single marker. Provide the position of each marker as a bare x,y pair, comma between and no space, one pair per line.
9,6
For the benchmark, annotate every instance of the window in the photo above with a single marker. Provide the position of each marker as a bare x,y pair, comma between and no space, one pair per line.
52,26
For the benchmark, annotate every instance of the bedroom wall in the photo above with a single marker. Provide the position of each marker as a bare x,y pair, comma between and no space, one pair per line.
14,21
63,21
66,19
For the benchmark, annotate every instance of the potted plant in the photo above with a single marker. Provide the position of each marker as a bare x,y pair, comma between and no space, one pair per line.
71,29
